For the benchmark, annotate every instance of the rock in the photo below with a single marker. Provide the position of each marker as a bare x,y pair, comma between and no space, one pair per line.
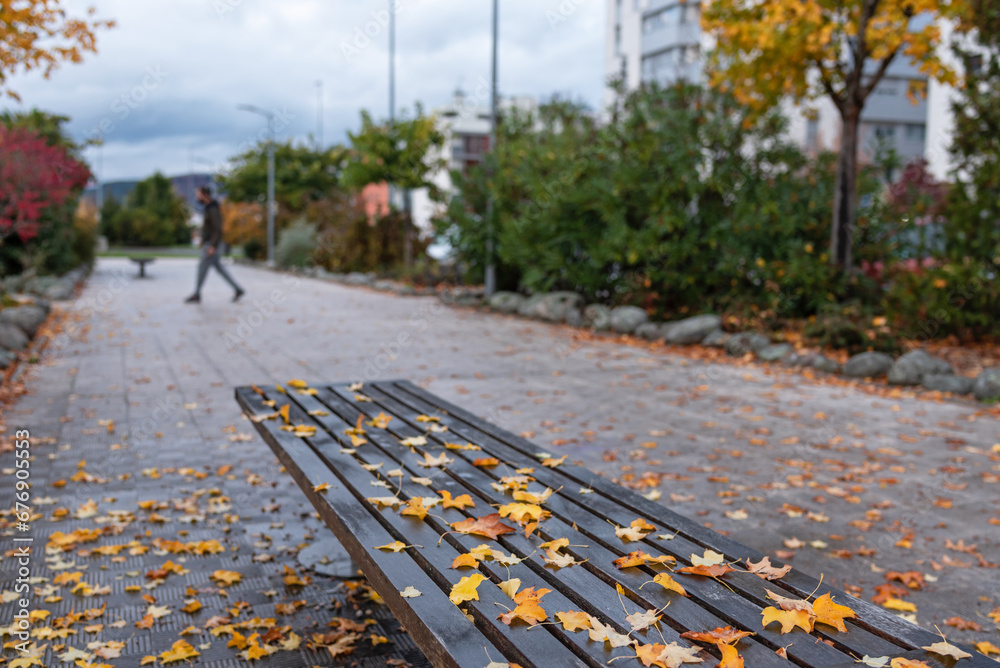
911,368
11,337
357,278
61,291
625,319
384,285
407,290
746,342
987,386
6,358
948,382
868,365
467,299
28,318
506,302
574,317
693,330
597,316
824,363
652,331
528,306
556,305
775,352
715,339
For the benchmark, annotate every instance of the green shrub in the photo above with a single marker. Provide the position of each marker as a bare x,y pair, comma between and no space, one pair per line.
255,249
296,245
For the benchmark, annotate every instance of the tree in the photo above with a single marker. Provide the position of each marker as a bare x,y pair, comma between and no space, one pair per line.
153,215
973,207
302,175
403,153
769,49
37,34
41,178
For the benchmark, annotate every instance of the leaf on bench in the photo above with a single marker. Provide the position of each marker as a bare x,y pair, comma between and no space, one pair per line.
528,497
668,583
640,621
667,656
574,621
764,569
788,619
486,462
709,558
461,502
635,532
528,608
415,508
414,441
713,571
410,592
383,501
489,526
380,421
456,446
523,513
395,546
465,590
441,460
601,633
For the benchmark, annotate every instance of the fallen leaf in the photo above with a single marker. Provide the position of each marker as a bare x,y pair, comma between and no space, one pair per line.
461,502
898,604
710,558
723,635
764,569
415,508
945,648
489,526
788,619
718,570
900,662
465,590
410,592
874,661
574,621
396,546
668,583
601,633
834,614
528,609
642,620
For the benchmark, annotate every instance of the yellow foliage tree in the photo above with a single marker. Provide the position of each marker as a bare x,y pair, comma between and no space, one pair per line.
770,49
37,34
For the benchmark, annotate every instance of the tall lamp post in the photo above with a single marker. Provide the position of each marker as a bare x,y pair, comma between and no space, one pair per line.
270,175
491,270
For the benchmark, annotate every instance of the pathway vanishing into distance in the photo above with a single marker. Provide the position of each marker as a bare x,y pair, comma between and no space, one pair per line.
832,479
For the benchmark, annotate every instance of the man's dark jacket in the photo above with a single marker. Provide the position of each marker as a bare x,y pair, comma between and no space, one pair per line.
211,229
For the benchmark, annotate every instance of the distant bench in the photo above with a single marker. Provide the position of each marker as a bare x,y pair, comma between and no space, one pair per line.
142,262
360,488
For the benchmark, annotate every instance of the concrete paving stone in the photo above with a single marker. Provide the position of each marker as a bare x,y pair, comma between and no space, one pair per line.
712,438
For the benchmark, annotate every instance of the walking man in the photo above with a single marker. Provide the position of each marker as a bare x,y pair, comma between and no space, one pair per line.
211,239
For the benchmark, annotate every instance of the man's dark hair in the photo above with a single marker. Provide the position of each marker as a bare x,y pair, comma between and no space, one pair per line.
205,190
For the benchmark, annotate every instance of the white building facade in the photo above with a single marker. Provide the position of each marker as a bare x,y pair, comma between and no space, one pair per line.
662,41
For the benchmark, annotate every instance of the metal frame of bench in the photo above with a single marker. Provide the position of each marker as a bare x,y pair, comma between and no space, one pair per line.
442,630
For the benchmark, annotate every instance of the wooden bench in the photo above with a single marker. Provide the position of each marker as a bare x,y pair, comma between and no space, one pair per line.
340,474
142,262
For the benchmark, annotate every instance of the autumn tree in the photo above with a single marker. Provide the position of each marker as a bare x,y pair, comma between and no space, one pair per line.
803,49
38,35
404,153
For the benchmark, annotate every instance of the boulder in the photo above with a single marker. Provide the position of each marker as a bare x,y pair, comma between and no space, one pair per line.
357,278
574,317
746,342
6,358
824,363
384,285
61,291
692,330
528,306
506,302
28,318
987,386
911,368
625,319
868,365
597,316
715,339
557,305
652,331
11,337
775,352
948,382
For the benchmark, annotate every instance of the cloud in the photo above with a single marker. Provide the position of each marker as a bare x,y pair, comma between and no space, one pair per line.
211,55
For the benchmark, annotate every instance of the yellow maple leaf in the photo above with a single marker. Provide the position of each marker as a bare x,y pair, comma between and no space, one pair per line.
462,501
415,508
574,621
828,612
898,604
297,384
522,513
181,650
226,577
788,619
668,583
465,590
730,657
395,546
945,648
466,560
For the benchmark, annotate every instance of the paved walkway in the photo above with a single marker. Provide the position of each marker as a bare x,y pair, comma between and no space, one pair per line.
838,481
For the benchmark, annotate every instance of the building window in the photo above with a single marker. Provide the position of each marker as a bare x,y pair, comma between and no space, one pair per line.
812,135
690,12
916,131
884,130
660,19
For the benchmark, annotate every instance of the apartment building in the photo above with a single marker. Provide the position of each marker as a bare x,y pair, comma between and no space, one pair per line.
662,41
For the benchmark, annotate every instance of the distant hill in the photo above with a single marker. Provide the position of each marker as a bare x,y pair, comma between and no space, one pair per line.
185,185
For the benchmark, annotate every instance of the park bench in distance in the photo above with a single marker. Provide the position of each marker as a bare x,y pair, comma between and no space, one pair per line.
310,430
142,262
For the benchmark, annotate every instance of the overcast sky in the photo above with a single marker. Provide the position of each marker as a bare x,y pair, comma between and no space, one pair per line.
168,78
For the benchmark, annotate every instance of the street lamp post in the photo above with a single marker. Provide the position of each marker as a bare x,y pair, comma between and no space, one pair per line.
270,175
491,270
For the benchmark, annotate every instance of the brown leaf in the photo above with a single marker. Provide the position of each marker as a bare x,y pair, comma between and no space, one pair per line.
489,526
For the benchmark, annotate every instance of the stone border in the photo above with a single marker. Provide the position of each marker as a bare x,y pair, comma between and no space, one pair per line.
915,368
19,324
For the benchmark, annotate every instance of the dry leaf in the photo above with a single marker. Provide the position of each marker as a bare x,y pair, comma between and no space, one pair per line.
489,526
945,648
642,620
764,569
788,619
465,590
395,546
723,635
601,633
461,502
574,621
668,583
410,592
834,614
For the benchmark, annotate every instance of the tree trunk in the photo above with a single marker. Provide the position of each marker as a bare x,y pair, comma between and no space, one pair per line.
845,193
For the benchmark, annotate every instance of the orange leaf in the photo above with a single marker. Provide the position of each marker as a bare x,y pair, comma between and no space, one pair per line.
528,609
724,635
574,621
489,526
486,462
730,657
461,502
668,583
714,571
828,612
764,569
465,561
415,508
